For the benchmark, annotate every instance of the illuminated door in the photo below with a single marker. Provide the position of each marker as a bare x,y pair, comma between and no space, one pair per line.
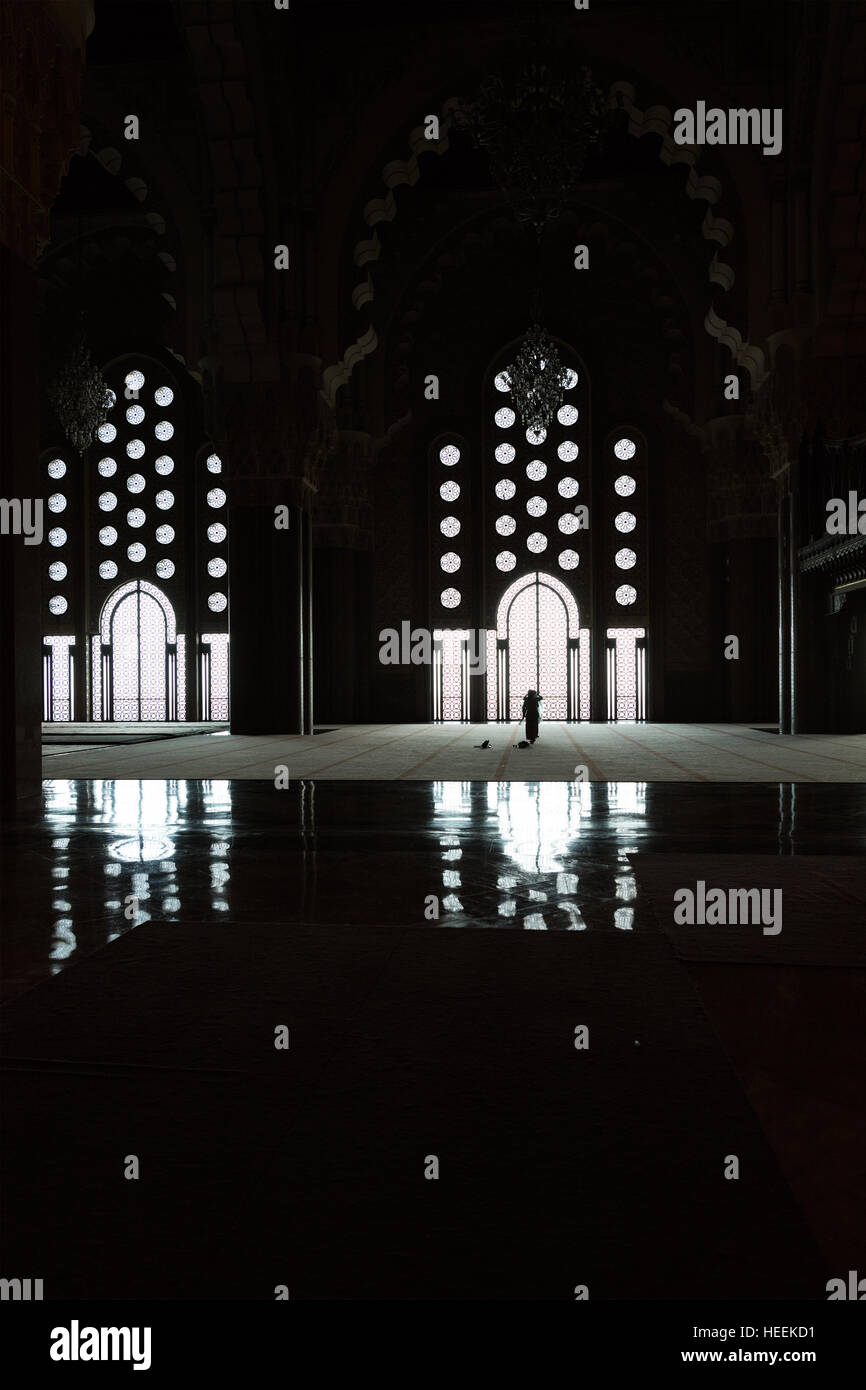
538,645
138,659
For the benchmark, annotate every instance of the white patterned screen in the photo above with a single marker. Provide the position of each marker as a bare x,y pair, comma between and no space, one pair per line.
218,675
536,619
626,673
59,679
450,673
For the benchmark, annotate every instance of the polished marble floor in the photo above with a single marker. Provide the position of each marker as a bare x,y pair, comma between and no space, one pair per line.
433,946
426,752
520,855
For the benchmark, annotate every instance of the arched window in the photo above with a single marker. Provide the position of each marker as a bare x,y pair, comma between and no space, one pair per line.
133,517
61,585
535,646
141,655
451,578
537,491
213,618
625,588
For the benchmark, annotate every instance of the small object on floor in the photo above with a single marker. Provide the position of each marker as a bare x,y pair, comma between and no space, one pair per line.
485,744
524,743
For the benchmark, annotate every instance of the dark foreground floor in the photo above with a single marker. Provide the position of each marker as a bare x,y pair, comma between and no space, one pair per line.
413,1045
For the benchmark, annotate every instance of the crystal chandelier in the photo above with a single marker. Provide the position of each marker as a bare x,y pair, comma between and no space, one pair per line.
536,128
536,379
79,395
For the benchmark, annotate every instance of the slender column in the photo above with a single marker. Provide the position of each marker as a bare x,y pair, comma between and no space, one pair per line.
307,521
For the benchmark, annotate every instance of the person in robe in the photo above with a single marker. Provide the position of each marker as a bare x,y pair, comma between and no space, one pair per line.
532,713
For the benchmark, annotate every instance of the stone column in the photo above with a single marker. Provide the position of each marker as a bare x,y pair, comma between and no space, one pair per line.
266,661
41,63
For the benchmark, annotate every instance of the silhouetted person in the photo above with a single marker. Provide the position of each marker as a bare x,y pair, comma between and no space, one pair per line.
531,713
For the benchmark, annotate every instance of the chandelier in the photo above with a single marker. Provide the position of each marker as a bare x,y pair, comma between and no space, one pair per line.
79,395
536,129
536,379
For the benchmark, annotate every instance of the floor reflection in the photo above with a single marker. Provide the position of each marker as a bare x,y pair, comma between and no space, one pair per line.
109,856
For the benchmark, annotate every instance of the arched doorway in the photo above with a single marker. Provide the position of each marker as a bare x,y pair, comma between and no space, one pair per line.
138,657
538,644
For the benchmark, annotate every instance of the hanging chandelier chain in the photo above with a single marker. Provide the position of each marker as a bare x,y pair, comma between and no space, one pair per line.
537,379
